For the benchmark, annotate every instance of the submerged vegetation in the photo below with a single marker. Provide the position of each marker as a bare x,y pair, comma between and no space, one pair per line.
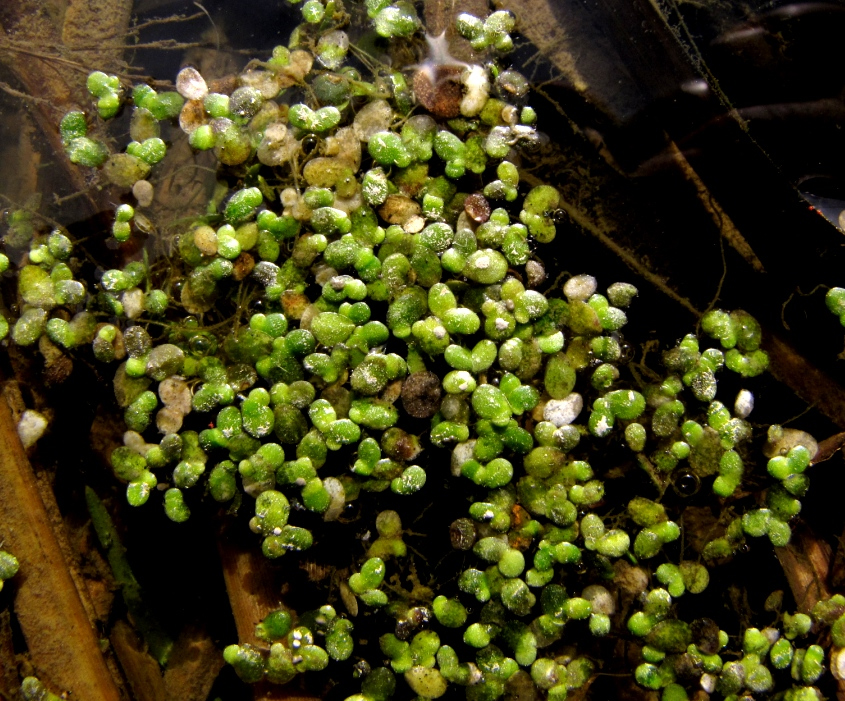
355,327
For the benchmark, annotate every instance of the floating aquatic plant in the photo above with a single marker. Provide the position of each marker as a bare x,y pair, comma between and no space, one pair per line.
397,256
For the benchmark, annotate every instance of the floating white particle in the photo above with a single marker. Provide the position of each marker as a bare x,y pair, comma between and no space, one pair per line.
744,403
460,454
31,427
133,302
580,287
562,412
477,90
338,498
602,427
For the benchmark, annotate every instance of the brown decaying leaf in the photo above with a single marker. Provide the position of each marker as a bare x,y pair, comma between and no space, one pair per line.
806,562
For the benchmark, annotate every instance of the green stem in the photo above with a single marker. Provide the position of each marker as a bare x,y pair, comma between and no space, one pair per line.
159,642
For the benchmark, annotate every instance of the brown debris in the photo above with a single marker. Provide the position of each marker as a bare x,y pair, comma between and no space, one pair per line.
720,218
397,209
438,89
294,304
58,371
421,394
244,264
477,208
95,29
192,115
806,564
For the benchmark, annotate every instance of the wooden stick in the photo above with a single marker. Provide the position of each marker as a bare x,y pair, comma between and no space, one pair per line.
193,666
253,593
810,383
63,646
142,671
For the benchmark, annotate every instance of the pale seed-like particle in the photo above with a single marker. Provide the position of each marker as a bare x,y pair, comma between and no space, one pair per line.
744,403
787,440
335,489
267,83
349,204
143,192
174,392
31,427
510,114
426,682
373,118
837,663
600,598
277,146
205,239
580,287
398,209
135,441
168,420
535,272
345,145
414,224
289,197
133,302
190,84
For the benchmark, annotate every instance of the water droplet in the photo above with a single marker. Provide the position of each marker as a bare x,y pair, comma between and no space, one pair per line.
559,216
309,143
202,344
686,482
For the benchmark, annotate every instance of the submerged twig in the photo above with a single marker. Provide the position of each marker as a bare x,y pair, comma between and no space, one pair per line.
63,645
